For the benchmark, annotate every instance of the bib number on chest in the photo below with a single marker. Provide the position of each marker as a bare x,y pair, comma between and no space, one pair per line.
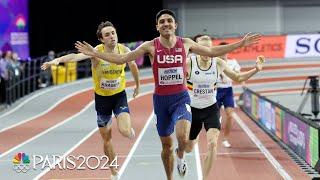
203,89
170,76
109,84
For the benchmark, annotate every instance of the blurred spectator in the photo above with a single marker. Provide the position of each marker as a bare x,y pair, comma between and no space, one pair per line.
7,55
51,55
16,58
14,66
4,63
45,76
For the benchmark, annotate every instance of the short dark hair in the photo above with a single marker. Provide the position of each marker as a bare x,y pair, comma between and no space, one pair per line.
165,11
223,43
101,26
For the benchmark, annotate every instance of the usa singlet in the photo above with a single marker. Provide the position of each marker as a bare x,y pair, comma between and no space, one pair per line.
169,68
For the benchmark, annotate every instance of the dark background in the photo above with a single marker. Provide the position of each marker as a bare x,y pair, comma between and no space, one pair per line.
58,24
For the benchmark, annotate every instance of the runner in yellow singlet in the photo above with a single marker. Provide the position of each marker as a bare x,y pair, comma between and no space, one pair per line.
109,87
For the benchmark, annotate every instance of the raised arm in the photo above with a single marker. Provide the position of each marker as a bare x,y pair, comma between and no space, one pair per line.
87,49
247,40
66,58
241,76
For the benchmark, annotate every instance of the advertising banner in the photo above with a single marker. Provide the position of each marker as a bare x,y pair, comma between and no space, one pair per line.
279,116
247,101
267,115
313,154
302,45
14,27
267,119
269,46
296,135
255,107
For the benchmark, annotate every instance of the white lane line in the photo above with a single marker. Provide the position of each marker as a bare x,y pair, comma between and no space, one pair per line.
134,147
88,136
56,104
61,123
68,152
41,93
187,154
159,156
48,130
46,111
198,161
263,149
37,94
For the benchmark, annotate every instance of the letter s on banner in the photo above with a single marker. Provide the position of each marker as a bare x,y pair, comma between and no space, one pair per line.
303,45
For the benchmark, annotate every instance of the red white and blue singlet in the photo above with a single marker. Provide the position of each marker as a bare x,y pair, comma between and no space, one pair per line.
171,100
169,68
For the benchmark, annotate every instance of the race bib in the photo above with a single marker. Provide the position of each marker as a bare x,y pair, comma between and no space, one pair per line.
109,84
203,89
170,76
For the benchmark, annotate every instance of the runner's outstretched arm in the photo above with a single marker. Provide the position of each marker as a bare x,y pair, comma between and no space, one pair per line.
242,76
214,51
66,58
87,49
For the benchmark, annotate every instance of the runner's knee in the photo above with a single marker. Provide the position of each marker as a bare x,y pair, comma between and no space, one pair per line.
167,148
106,135
125,131
182,139
189,147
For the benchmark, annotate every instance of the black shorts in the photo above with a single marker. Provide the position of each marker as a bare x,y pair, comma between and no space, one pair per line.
209,116
105,105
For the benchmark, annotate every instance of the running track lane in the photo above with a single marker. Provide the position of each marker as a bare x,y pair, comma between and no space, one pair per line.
150,80
31,128
244,160
45,123
140,109
282,157
61,112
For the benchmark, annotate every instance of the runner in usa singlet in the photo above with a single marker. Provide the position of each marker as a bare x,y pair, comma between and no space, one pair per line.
171,99
169,68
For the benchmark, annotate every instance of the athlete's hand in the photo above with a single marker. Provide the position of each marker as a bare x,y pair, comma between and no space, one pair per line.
46,65
85,48
250,39
260,60
136,92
